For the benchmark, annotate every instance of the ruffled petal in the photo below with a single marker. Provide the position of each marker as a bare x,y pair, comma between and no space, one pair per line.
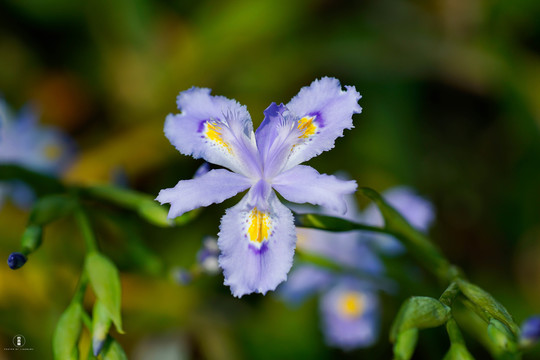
303,184
303,282
350,315
415,209
324,110
214,128
211,188
257,247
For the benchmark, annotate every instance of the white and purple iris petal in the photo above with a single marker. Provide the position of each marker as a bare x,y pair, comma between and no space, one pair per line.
350,315
417,211
257,236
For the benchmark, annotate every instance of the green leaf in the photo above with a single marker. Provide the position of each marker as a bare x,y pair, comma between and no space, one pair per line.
66,335
105,281
101,322
487,303
113,351
405,344
419,312
51,208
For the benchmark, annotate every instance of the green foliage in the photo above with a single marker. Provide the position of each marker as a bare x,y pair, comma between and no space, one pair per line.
105,281
112,350
419,312
31,239
488,304
51,208
405,344
101,322
66,335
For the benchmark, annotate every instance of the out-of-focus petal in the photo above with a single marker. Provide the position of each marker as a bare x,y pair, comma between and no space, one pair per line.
303,184
213,187
415,209
214,128
350,315
304,281
342,248
325,111
257,247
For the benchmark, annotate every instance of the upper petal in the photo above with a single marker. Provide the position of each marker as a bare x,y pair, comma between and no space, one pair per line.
214,128
257,247
277,135
304,184
325,111
213,187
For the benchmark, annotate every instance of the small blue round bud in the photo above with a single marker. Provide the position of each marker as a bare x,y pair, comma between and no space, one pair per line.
530,330
16,260
182,276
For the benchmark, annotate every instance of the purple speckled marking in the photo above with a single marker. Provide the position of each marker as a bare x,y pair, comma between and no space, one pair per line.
200,128
259,251
318,118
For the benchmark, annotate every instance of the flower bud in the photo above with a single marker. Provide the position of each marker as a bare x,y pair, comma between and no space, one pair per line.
16,260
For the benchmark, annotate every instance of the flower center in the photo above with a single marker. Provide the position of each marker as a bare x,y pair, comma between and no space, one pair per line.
259,226
214,133
307,127
351,304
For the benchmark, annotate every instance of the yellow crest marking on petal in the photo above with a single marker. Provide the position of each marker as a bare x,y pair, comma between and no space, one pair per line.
52,151
259,226
307,127
351,304
213,132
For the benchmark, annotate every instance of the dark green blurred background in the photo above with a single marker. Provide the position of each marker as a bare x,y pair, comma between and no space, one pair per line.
451,99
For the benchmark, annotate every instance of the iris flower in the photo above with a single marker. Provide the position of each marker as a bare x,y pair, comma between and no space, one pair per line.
257,236
25,143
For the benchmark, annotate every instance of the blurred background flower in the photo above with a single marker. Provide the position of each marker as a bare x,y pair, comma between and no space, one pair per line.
451,99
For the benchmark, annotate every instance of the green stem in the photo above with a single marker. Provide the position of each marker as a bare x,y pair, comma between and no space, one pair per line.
40,183
332,223
449,295
81,288
86,229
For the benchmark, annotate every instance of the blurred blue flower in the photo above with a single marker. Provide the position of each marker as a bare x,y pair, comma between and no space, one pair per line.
257,237
418,211
25,143
349,306
530,331
207,256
